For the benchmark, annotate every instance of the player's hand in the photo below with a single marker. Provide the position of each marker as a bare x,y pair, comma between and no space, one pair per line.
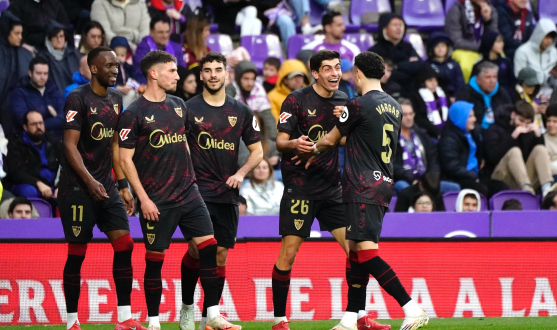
149,210
338,110
309,161
302,158
96,190
45,190
303,146
235,181
128,200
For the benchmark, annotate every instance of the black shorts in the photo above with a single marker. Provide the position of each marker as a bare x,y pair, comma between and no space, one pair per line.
79,214
193,219
364,221
225,223
296,216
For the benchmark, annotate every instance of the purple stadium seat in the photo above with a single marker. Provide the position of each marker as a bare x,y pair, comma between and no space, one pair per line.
297,41
423,14
359,7
548,9
416,40
528,201
449,199
42,206
363,40
220,43
392,204
261,47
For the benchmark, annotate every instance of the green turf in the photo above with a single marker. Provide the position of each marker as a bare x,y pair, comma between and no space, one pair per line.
538,323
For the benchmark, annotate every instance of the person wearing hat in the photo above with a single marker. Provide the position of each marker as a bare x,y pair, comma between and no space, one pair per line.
528,87
292,75
346,79
439,50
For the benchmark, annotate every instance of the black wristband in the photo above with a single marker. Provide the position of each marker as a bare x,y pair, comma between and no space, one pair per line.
123,184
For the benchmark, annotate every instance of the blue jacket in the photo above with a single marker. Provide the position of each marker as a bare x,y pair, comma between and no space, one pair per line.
449,72
78,80
508,21
27,97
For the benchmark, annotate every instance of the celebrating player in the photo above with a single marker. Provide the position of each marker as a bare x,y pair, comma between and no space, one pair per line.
155,159
306,116
367,182
87,191
216,124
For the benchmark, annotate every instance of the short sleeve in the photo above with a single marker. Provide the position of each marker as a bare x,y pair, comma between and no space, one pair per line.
251,132
288,119
74,112
350,118
128,130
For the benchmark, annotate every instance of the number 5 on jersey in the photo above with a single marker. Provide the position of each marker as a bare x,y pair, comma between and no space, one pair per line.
386,155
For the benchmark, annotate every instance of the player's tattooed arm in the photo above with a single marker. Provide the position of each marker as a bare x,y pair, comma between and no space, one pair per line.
94,187
299,145
124,193
148,208
254,158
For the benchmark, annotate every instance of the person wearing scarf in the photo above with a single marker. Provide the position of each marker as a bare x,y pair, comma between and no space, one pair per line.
527,89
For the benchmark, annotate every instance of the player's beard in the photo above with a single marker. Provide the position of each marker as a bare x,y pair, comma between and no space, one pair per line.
211,90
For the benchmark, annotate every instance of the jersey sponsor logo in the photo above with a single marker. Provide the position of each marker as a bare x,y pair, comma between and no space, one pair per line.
93,111
377,175
198,120
232,120
115,106
284,117
344,115
255,124
179,112
70,115
206,141
298,224
102,132
150,120
316,133
389,108
158,139
312,113
124,134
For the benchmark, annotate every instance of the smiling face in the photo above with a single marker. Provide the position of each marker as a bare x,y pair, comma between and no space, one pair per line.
552,125
105,69
329,75
214,75
161,33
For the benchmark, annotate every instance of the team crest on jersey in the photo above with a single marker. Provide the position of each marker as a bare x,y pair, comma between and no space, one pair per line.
70,115
178,111
150,120
93,111
232,120
312,113
124,134
255,124
298,224
151,238
115,108
76,230
198,120
284,117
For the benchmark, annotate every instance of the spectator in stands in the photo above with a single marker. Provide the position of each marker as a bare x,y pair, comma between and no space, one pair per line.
417,154
37,17
550,138
195,37
449,74
388,85
429,183
345,84
33,160
539,52
37,94
92,36
178,11
516,24
128,79
304,55
460,148
80,77
391,43
63,59
422,202
485,94
292,75
334,27
14,63
187,85
262,192
527,89
550,201
511,205
517,154
79,13
271,67
126,18
430,102
468,200
491,50
465,23
20,208
242,205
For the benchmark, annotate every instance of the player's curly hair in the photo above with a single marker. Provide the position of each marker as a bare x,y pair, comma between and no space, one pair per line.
317,59
212,57
153,58
371,65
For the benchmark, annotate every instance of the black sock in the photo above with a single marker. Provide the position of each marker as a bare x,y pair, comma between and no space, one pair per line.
222,277
152,282
281,285
122,270
190,275
357,285
208,272
384,274
72,275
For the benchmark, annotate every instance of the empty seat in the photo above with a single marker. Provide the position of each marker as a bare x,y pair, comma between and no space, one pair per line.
392,204
297,41
423,14
449,199
416,40
220,43
262,47
363,40
548,9
528,201
42,206
358,8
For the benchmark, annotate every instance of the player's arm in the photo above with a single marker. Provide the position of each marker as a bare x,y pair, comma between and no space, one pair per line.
327,142
148,208
122,182
254,158
95,188
299,145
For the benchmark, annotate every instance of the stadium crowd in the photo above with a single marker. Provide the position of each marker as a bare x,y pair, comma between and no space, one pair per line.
479,100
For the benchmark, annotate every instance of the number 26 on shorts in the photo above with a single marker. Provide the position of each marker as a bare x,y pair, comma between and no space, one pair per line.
303,206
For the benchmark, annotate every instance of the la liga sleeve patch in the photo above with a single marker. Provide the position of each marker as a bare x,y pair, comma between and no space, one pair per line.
284,117
124,134
70,115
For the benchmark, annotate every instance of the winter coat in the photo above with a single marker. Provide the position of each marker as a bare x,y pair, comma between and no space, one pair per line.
27,98
509,23
263,199
130,21
61,72
498,140
430,160
398,52
143,48
280,92
529,53
78,80
450,75
460,32
453,153
468,94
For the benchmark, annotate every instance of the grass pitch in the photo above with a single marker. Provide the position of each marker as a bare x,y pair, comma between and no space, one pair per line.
538,323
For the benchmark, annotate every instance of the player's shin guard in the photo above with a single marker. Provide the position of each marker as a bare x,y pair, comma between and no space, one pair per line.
281,285
72,275
122,270
152,282
190,275
384,274
208,271
357,285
